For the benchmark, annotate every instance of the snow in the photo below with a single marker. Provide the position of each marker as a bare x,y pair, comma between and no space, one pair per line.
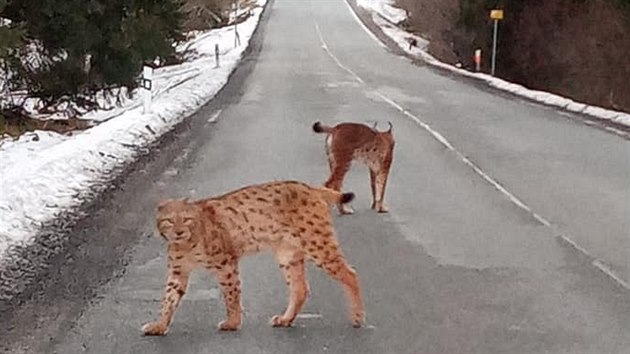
385,9
401,37
45,173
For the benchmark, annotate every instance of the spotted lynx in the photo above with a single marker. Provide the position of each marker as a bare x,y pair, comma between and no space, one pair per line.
352,141
291,219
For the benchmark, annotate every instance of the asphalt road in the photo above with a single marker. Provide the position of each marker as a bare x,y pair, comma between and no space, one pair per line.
456,267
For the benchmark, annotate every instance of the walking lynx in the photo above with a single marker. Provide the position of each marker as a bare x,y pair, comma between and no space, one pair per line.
290,218
352,141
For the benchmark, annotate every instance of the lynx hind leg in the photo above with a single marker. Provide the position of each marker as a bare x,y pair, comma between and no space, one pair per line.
292,264
339,168
324,251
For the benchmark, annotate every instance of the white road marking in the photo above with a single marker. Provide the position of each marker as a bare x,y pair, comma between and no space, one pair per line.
513,198
309,315
215,116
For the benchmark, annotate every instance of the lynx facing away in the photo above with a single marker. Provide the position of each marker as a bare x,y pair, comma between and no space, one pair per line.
352,141
289,218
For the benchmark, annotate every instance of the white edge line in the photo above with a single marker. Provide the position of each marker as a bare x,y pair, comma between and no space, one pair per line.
370,33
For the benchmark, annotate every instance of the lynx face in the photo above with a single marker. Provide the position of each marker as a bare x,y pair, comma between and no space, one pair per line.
177,220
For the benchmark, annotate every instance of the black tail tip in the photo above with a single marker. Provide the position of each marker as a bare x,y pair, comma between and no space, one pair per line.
347,197
317,127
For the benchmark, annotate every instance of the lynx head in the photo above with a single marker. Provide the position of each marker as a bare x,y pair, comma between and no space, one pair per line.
178,220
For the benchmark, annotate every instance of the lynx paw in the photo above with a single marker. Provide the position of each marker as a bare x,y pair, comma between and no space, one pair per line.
154,329
358,319
280,321
228,326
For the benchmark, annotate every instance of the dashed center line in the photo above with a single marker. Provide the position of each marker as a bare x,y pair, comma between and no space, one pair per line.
602,266
309,315
325,46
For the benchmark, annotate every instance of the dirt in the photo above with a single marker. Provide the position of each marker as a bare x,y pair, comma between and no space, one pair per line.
14,124
573,48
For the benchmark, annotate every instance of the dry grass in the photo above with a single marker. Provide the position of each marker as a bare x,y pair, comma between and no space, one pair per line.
15,124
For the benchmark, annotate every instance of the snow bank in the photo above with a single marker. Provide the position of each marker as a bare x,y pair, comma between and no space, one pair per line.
402,38
385,9
45,173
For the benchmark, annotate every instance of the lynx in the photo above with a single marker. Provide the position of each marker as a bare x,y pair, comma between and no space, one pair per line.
352,141
290,218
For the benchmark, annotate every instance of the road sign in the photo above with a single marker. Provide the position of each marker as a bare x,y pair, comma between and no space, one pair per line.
496,14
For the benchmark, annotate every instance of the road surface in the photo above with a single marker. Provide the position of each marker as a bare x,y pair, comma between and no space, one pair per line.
485,191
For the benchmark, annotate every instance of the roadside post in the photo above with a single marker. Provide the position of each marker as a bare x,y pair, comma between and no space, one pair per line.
237,38
147,85
496,15
216,55
477,60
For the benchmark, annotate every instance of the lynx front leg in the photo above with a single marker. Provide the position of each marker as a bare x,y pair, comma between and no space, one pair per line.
292,265
176,285
230,283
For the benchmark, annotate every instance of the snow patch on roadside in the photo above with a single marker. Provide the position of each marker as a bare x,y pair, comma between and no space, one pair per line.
402,38
45,173
386,9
